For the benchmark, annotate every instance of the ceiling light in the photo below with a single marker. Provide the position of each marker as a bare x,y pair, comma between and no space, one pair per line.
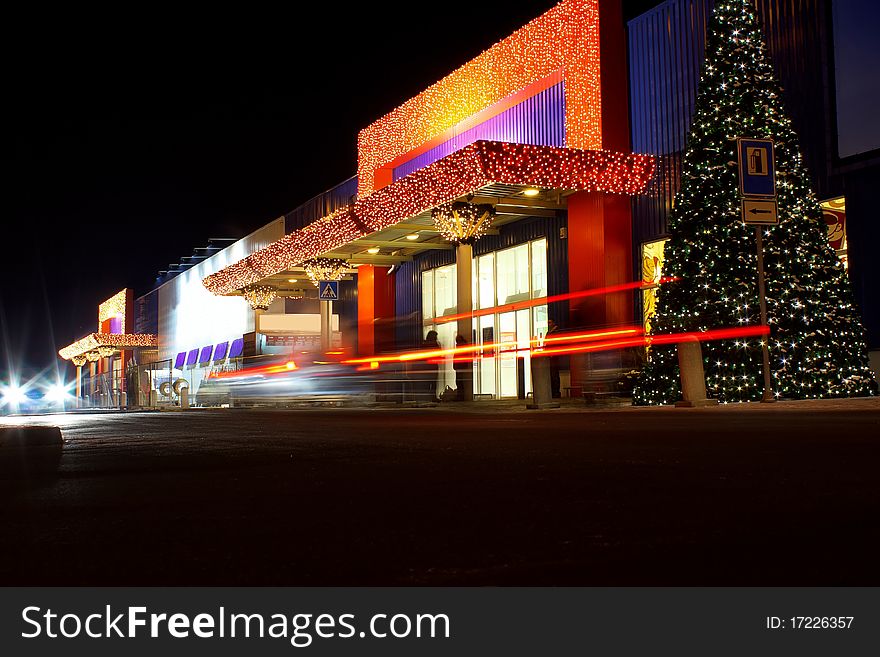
291,280
373,250
531,191
412,236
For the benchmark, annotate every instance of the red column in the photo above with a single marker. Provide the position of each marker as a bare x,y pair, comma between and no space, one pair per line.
600,225
375,309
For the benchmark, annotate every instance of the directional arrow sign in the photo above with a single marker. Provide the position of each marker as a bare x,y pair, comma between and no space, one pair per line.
759,212
328,290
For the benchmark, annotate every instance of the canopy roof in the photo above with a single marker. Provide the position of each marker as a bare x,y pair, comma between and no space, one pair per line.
115,340
480,166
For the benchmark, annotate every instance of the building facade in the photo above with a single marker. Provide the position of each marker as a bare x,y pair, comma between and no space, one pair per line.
570,133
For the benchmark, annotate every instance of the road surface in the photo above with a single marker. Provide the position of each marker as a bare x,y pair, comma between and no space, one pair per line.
785,494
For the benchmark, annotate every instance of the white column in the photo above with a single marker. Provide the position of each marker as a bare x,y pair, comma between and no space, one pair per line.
464,265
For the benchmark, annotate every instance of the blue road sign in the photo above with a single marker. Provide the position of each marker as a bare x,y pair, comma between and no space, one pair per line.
328,290
757,167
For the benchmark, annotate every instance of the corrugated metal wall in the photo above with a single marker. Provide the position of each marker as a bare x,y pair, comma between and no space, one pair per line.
348,312
408,302
538,120
321,205
666,48
666,52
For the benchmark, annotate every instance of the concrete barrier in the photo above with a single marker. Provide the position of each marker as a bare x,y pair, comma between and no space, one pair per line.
29,452
542,392
693,376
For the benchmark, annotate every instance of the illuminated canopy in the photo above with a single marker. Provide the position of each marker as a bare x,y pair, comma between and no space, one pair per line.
93,341
562,43
464,172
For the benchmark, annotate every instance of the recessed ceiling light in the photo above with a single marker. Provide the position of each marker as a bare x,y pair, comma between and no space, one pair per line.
412,236
373,250
291,280
531,191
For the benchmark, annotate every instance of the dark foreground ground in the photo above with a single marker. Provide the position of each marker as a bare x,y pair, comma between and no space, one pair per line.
776,495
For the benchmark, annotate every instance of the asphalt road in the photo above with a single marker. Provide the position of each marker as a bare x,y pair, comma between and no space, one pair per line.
781,495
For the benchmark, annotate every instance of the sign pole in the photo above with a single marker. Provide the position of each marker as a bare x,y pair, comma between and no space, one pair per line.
762,299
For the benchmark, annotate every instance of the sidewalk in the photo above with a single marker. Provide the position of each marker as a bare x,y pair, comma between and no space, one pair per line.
574,405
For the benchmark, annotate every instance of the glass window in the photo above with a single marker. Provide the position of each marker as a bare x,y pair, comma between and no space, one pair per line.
508,353
513,274
444,291
539,269
485,384
539,317
486,284
428,295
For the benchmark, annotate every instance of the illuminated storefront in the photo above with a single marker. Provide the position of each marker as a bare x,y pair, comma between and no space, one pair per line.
107,354
570,130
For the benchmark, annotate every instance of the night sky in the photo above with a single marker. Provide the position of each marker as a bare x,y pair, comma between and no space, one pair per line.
127,146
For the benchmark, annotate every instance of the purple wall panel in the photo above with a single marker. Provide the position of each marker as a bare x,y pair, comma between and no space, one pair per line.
539,120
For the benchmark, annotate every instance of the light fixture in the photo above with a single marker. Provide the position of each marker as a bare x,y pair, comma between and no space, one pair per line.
105,351
412,236
291,280
325,269
92,356
531,191
79,360
14,395
373,250
462,221
259,296
57,393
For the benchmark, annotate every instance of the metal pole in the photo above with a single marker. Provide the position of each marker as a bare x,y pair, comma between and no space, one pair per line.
326,325
765,347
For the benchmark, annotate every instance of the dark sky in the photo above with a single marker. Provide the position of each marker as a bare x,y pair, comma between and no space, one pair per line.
130,139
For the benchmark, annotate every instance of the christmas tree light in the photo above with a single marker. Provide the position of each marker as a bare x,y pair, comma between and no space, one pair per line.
817,345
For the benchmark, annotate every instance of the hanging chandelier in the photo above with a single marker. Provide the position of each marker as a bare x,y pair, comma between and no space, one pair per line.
325,269
79,361
259,296
462,221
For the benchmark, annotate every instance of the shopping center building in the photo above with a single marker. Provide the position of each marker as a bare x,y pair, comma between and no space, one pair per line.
490,206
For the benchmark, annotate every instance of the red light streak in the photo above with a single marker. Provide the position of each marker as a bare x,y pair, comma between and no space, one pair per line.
491,346
622,338
521,305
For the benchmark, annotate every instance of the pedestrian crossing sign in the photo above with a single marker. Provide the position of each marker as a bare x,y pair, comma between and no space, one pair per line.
328,290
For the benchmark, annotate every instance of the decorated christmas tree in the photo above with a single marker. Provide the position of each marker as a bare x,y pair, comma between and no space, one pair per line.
817,345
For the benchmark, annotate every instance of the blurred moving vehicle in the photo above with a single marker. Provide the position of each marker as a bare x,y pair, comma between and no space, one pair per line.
287,379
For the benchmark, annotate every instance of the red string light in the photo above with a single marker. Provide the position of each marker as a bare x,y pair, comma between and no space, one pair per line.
564,39
464,172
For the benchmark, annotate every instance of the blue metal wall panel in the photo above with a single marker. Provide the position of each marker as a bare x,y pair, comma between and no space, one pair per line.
321,205
538,120
666,51
348,312
408,281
